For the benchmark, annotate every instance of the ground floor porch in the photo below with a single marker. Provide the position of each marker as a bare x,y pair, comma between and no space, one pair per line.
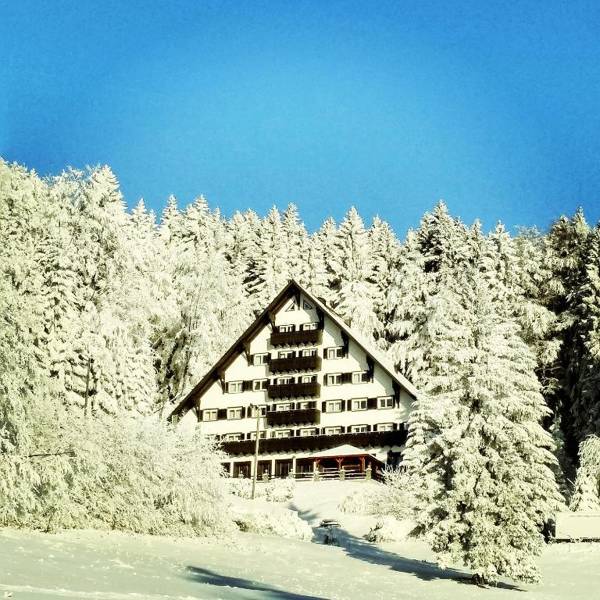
345,462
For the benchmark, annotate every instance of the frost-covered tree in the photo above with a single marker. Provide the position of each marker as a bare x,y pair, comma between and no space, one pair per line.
272,269
356,295
211,308
385,249
586,495
486,483
566,255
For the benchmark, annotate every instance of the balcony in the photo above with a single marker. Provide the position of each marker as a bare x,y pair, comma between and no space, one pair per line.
295,363
294,390
318,442
299,416
296,338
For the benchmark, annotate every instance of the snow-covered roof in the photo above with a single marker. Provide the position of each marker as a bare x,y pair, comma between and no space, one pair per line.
343,450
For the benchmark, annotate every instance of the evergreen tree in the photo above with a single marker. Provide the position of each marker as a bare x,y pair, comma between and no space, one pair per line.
356,295
487,485
586,496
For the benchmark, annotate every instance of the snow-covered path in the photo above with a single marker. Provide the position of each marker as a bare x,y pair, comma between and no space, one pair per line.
115,566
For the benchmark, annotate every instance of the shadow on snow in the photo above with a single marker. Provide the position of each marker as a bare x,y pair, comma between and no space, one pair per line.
211,578
360,549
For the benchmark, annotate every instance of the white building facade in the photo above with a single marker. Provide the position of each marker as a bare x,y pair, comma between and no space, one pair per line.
310,385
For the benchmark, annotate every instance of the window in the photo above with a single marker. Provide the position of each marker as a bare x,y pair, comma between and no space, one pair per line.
308,431
235,387
263,411
309,326
283,406
285,328
305,404
209,415
359,377
308,379
260,359
234,413
385,427
233,437
308,352
292,306
307,305
283,433
333,430
285,354
334,352
385,402
358,429
259,384
261,435
359,404
334,406
285,380
333,379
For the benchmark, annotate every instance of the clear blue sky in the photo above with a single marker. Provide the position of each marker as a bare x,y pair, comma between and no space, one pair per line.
389,106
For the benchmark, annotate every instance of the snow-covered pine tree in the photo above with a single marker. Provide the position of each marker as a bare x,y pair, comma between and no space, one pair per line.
430,260
356,295
297,240
385,250
32,461
313,274
567,247
486,484
211,306
407,310
272,269
586,495
323,241
586,401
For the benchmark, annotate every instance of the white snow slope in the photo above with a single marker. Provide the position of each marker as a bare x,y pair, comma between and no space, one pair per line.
116,566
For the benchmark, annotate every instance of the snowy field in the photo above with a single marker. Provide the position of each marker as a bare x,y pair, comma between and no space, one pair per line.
115,566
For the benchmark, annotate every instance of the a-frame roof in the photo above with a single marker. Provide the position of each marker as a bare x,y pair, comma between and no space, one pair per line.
291,289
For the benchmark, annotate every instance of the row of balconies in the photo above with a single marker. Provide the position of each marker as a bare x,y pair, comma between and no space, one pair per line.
319,442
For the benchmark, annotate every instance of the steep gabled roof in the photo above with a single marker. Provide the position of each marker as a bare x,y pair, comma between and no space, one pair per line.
291,289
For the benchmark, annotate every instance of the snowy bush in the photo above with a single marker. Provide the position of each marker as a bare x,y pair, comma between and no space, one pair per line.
283,523
388,529
392,498
279,490
275,490
242,487
363,501
127,474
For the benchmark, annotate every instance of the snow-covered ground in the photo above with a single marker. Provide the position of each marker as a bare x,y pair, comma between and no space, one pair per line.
116,566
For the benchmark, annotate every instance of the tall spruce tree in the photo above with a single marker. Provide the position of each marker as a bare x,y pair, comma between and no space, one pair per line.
486,482
356,295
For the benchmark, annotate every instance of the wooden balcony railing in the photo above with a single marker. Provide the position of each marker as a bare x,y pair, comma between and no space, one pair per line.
294,338
295,363
294,390
318,442
299,416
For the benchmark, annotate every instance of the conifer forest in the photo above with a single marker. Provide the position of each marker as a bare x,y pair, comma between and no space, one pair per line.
110,314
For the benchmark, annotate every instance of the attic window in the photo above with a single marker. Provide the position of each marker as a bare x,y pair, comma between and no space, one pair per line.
307,305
